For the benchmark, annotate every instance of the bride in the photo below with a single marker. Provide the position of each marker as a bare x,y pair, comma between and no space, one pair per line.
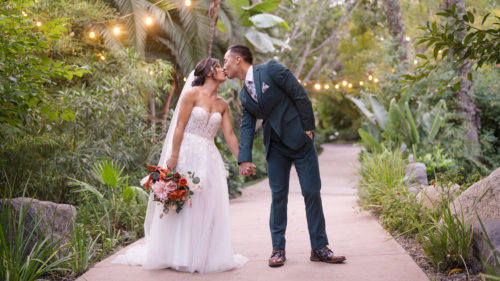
199,237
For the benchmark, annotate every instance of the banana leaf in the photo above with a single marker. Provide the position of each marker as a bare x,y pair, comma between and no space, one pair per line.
404,99
433,120
361,105
369,142
409,115
379,111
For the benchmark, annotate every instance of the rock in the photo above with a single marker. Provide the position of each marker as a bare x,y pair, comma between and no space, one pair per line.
431,195
56,217
416,173
489,206
480,244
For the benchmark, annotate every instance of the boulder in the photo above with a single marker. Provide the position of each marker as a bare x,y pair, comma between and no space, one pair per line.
56,217
432,195
480,244
416,174
489,206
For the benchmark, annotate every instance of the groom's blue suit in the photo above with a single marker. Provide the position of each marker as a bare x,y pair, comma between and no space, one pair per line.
287,112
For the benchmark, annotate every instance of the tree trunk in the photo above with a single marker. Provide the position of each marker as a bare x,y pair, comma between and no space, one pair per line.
212,14
167,103
464,95
396,26
152,110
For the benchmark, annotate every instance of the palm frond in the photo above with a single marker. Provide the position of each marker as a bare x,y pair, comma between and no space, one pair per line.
85,187
229,17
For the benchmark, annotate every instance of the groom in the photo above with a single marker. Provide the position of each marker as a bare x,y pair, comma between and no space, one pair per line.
272,93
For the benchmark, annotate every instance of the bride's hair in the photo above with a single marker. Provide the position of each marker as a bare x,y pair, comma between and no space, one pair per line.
202,69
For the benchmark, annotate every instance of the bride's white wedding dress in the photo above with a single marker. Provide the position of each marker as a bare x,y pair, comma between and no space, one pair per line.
199,237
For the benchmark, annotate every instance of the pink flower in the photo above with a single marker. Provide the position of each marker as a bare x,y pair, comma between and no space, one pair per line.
161,190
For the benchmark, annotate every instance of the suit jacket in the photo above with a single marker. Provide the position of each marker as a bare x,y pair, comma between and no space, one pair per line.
284,106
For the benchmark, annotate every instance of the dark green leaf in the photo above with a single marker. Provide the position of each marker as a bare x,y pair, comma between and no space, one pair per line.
422,56
469,76
456,86
466,18
471,17
485,17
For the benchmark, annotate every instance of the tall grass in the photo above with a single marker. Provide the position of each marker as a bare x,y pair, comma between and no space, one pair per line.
379,175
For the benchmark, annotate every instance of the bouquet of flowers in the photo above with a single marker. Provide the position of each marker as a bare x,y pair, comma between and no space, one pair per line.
171,188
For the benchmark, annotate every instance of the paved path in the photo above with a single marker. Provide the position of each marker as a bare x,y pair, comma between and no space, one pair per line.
356,235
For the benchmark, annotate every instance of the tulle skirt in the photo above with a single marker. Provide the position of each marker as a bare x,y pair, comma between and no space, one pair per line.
199,237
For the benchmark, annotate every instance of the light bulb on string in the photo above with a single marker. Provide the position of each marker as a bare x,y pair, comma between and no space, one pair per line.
298,80
337,86
317,86
24,14
350,85
327,86
188,3
361,83
376,80
103,58
149,20
370,77
92,34
415,61
185,79
38,23
344,83
305,84
116,30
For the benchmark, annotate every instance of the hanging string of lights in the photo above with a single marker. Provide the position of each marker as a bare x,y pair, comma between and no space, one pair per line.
344,83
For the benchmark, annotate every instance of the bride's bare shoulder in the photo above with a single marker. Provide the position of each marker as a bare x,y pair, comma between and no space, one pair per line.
192,93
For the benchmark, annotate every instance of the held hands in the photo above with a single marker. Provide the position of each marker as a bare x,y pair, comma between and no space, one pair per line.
171,163
247,169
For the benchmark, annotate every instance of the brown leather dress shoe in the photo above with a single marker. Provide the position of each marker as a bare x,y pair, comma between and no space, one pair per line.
277,258
326,255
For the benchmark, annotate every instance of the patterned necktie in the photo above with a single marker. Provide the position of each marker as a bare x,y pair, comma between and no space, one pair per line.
251,89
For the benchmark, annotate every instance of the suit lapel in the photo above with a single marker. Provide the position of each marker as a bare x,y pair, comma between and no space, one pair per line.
258,84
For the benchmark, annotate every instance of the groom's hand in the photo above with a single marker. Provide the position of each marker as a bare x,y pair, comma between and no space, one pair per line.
310,134
247,169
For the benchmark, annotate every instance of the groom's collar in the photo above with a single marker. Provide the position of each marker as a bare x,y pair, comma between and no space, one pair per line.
249,76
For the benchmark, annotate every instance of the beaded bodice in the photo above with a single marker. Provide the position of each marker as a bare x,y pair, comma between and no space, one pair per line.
203,123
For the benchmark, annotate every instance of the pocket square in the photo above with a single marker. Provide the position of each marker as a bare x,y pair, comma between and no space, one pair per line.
264,87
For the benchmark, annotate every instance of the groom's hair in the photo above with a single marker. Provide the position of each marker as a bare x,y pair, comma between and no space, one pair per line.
242,51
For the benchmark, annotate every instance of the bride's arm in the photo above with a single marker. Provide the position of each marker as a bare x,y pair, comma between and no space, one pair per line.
227,129
187,103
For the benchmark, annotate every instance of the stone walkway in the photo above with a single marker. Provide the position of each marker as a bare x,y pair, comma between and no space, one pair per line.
356,235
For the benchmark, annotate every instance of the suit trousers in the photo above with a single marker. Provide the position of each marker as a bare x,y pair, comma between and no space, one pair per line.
279,163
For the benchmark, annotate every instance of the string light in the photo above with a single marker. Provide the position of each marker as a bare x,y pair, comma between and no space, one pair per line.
299,80
361,83
103,57
38,24
370,77
376,80
149,20
24,14
327,86
116,30
336,86
344,83
408,38
415,61
185,79
188,2
350,85
92,34
317,86
305,84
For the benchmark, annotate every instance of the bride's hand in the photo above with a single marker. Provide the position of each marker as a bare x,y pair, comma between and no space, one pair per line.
171,163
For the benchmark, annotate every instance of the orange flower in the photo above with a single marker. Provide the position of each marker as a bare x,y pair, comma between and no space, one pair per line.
174,195
183,182
163,177
151,168
182,193
163,170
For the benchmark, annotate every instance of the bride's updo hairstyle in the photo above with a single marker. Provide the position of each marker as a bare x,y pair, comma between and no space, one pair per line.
202,69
